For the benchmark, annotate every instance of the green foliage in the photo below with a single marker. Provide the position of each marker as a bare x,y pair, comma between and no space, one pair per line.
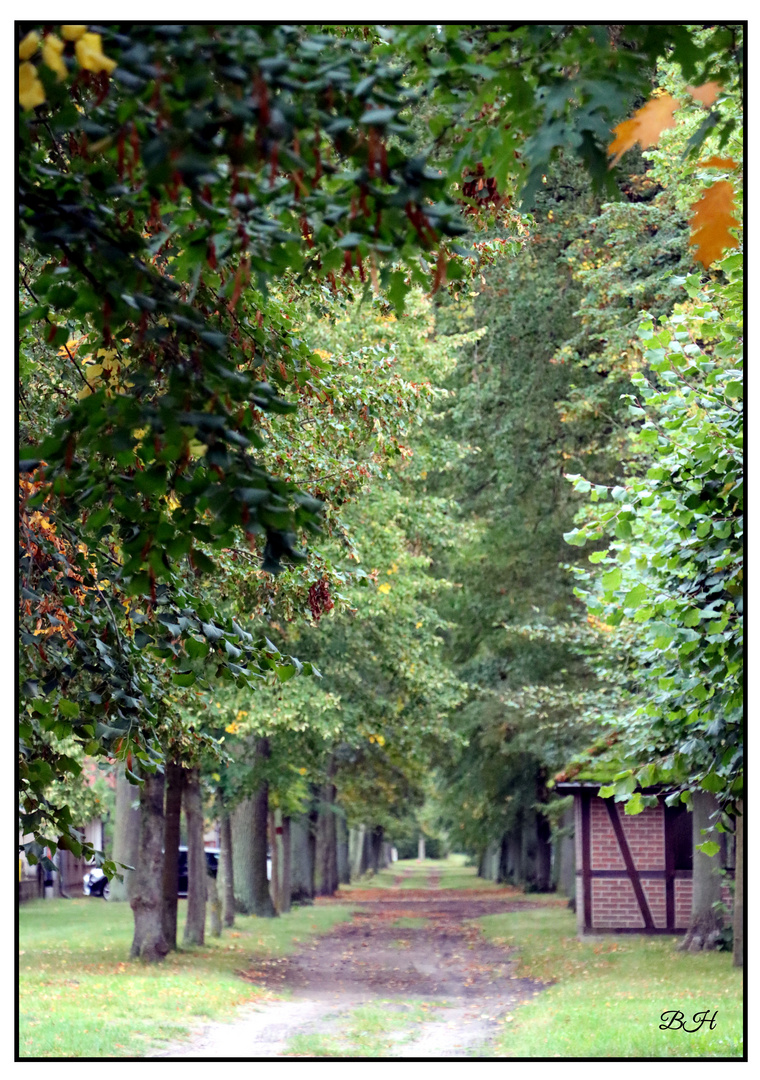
188,193
672,577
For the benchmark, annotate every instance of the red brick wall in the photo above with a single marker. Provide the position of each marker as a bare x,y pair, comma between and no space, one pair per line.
682,889
654,891
645,833
683,900
613,901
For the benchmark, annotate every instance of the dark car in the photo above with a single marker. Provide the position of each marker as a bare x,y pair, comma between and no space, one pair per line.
212,866
95,882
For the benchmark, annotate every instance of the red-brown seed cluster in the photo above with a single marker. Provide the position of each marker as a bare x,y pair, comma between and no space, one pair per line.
320,600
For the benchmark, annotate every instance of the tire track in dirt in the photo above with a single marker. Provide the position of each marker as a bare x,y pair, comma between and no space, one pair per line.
469,985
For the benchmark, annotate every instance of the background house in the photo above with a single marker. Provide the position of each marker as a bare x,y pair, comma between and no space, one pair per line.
633,873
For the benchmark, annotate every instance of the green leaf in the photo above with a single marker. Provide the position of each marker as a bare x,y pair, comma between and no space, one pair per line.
709,847
635,596
576,537
612,579
713,782
196,649
183,678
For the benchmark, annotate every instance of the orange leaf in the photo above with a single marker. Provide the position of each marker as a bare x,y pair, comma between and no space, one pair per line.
645,126
711,220
718,163
707,93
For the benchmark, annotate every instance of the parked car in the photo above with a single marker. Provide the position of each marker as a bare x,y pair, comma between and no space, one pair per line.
95,883
212,866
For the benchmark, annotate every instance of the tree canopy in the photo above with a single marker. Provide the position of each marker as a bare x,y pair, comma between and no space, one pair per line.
215,432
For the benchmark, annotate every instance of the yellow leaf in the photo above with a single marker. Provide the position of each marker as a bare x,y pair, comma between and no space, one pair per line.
712,218
89,52
645,126
52,55
384,588
707,93
31,92
28,46
73,32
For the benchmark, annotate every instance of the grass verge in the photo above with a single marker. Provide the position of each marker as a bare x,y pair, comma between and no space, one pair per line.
611,991
79,995
368,1031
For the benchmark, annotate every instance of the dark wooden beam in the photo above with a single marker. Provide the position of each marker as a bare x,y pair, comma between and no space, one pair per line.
670,899
630,866
586,857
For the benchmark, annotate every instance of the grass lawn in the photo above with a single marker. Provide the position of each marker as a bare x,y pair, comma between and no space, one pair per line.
449,873
610,992
80,995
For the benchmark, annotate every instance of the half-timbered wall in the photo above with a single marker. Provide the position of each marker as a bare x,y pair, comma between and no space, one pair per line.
633,872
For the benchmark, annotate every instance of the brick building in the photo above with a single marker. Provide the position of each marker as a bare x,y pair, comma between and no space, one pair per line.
633,873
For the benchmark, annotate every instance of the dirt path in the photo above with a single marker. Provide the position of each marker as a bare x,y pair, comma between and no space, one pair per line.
442,988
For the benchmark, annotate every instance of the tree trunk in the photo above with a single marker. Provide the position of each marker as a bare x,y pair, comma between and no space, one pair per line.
529,846
543,854
739,888
126,834
146,887
377,843
705,924
195,923
514,856
214,904
302,874
242,856
227,882
356,852
366,860
262,901
327,856
274,884
175,779
285,888
565,870
504,860
311,837
421,847
342,850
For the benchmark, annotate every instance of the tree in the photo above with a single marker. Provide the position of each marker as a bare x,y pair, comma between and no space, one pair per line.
174,787
195,922
146,896
671,577
176,195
